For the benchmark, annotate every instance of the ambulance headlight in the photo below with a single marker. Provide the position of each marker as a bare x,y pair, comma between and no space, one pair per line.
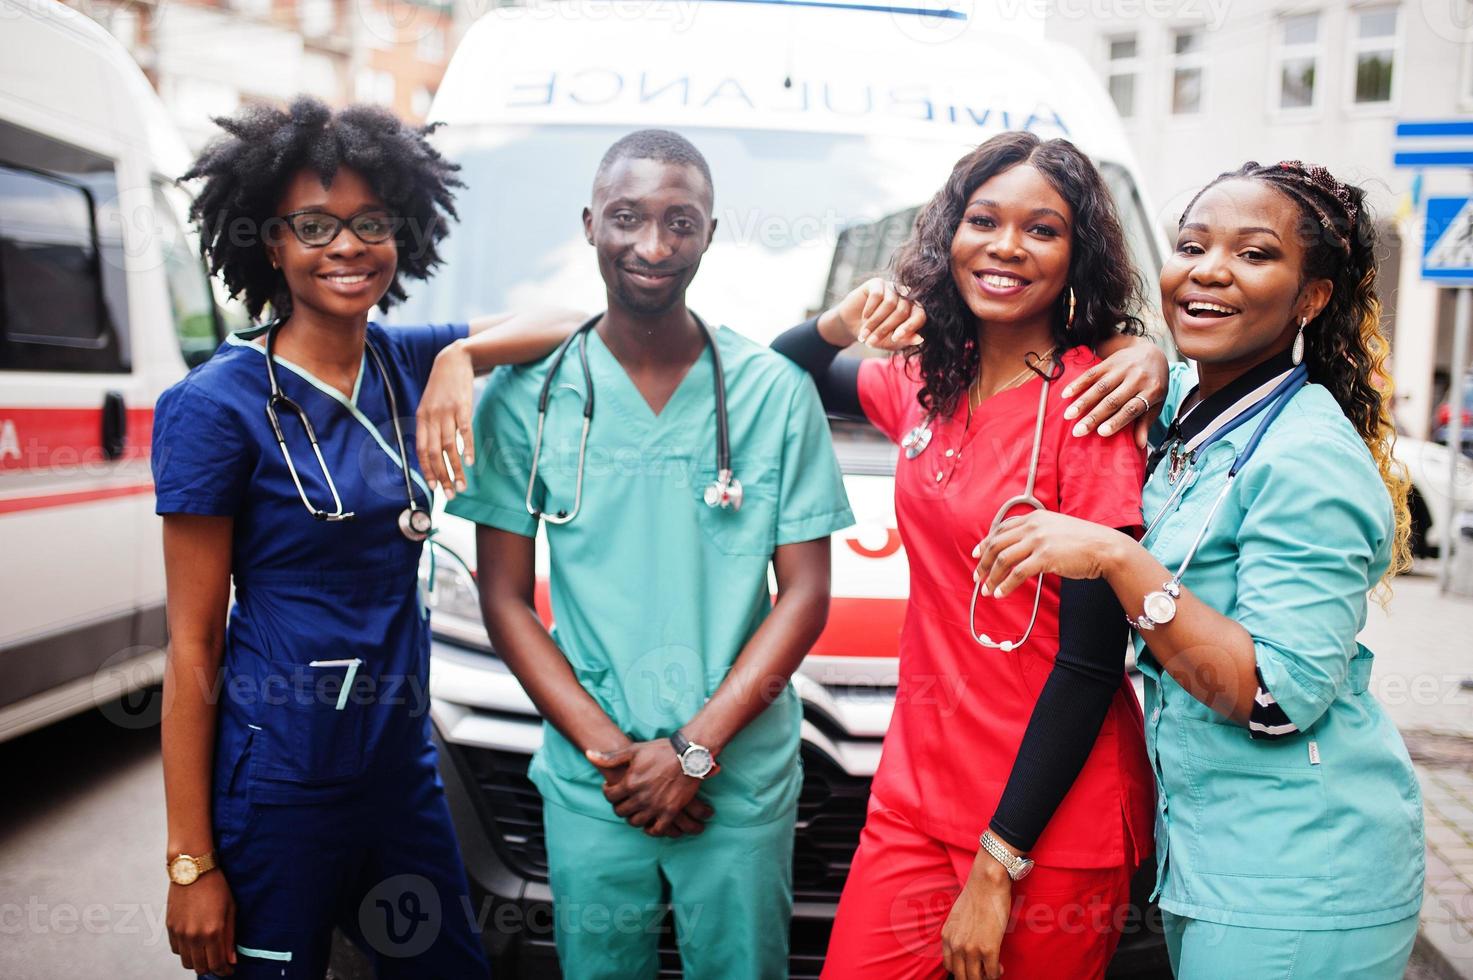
453,599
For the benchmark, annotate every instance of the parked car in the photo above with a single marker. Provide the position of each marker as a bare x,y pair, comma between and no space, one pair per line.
820,149
1444,418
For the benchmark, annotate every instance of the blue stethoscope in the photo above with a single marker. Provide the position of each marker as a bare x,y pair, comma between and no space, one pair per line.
723,492
1159,608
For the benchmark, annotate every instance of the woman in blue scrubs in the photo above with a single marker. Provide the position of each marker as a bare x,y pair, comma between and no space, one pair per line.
1289,820
300,778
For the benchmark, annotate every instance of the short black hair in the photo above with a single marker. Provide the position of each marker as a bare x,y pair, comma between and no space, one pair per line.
247,169
662,145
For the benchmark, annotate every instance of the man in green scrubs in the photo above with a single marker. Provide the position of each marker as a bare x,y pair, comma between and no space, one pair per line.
667,637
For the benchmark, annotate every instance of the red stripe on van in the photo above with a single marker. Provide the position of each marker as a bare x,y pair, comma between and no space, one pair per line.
34,439
14,505
861,627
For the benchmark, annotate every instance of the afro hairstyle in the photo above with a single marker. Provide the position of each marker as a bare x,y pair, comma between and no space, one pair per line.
247,168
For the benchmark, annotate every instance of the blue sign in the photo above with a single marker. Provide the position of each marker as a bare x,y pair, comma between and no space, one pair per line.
1434,143
1447,241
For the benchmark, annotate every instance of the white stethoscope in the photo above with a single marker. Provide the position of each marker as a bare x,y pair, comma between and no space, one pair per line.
915,443
414,521
725,491
1159,608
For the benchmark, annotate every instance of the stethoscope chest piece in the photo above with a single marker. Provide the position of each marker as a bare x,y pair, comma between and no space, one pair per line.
725,492
916,440
414,523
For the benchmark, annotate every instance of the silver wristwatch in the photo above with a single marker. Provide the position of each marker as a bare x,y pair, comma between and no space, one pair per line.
1016,865
1157,608
696,761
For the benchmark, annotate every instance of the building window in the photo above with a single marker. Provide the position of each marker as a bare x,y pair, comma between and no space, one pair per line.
1298,58
1186,71
375,86
1122,71
1374,47
317,17
421,101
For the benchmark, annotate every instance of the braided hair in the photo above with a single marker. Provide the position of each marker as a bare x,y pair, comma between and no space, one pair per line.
246,170
1345,348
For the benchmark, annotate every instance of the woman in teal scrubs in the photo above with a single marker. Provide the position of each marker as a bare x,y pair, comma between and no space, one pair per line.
1289,820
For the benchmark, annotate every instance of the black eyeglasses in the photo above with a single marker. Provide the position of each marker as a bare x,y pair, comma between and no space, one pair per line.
316,229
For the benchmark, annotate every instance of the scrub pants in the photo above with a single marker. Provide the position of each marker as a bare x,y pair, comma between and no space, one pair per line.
1202,950
731,890
383,866
1066,921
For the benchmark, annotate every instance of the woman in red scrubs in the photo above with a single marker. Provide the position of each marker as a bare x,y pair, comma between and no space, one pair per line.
1019,263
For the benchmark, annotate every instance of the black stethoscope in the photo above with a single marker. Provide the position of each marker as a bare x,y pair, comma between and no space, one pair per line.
414,521
725,491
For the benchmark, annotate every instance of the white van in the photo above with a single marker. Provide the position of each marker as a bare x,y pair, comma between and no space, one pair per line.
826,124
103,304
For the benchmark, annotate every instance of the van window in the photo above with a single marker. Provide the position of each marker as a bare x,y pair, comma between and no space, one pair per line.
191,302
62,283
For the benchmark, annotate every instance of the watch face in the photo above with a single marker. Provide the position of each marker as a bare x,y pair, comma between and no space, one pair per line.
1160,607
696,761
1024,870
183,871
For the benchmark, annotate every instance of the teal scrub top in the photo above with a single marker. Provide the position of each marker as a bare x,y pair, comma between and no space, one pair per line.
654,594
1321,829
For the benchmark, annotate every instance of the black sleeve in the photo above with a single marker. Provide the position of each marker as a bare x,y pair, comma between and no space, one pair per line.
1070,710
837,378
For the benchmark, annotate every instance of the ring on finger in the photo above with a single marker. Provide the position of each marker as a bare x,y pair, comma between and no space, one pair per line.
1145,402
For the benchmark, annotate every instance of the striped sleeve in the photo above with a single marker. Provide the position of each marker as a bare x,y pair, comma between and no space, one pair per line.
1267,720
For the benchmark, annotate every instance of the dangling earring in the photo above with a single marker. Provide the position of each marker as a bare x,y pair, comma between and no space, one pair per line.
1070,322
1297,354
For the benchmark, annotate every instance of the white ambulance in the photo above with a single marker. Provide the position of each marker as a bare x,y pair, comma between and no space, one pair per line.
103,304
826,124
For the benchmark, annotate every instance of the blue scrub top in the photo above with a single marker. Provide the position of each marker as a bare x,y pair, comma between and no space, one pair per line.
654,593
326,662
1317,830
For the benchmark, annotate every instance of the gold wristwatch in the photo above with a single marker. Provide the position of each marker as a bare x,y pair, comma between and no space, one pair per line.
185,869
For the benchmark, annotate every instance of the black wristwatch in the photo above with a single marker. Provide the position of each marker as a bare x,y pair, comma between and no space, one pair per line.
695,760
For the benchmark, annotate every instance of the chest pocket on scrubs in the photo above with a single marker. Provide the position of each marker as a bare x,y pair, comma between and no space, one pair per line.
312,727
752,530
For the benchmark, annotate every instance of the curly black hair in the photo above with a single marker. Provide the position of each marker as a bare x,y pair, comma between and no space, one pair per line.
246,170
1107,289
1345,347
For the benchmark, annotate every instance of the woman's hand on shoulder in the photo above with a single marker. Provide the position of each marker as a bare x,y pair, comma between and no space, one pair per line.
1126,388
444,413
875,313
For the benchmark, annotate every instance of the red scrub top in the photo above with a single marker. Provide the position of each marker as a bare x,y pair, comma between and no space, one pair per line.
961,708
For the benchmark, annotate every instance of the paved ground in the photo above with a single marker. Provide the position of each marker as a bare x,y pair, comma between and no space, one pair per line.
1424,648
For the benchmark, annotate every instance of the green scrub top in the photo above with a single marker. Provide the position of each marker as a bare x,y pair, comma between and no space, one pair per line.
1321,829
655,594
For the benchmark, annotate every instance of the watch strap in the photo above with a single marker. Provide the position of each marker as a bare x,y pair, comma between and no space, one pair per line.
1016,865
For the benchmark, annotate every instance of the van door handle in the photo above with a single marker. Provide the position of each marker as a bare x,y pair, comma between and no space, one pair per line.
114,425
